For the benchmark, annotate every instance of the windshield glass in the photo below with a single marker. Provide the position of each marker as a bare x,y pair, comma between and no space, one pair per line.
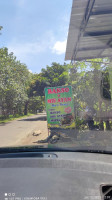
56,74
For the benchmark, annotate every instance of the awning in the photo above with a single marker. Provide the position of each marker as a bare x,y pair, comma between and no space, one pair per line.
90,30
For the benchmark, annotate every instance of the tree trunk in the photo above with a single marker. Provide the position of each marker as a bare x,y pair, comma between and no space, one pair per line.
108,125
26,108
101,125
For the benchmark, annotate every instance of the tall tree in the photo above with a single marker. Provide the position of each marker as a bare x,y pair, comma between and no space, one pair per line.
14,78
56,75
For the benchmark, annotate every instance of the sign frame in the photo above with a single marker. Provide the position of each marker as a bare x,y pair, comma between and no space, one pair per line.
59,107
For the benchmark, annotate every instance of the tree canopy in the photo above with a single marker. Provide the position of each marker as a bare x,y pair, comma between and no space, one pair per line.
14,80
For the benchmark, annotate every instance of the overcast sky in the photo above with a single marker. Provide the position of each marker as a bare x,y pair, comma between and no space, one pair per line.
35,30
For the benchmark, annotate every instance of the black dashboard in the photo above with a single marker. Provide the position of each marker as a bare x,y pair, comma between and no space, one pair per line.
53,176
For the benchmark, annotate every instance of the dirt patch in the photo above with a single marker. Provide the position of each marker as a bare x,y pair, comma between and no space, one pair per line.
39,133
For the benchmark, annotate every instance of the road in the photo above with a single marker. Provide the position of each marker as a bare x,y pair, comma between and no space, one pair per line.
25,131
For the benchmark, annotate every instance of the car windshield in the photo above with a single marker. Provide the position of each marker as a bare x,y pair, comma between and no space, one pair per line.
56,74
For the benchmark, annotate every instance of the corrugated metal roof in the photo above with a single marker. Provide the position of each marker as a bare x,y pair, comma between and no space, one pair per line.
90,30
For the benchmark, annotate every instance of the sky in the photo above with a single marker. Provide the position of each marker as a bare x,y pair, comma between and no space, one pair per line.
35,30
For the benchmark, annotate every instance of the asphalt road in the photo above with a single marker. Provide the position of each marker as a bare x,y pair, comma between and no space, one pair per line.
13,132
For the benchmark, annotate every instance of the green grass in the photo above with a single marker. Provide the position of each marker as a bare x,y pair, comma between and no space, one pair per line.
11,118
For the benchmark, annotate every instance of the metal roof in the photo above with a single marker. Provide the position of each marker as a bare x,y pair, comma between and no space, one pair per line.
90,30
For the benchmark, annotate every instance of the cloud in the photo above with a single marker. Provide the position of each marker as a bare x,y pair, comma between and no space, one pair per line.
27,50
24,50
59,47
30,71
20,49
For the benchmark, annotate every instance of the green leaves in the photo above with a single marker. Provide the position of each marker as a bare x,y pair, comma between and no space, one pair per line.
14,80
56,75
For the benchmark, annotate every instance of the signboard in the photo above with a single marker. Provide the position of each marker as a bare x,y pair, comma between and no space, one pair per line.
59,107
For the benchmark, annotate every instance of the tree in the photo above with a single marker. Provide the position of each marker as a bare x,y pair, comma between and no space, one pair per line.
1,27
86,79
14,80
36,103
56,75
37,85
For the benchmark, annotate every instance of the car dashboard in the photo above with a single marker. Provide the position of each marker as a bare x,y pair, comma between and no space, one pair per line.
55,176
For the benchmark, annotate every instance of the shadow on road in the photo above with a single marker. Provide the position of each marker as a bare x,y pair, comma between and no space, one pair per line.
4,123
43,118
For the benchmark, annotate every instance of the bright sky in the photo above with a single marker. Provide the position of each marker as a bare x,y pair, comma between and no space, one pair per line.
35,30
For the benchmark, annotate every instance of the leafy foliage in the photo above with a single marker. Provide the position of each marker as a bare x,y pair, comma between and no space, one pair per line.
14,80
56,75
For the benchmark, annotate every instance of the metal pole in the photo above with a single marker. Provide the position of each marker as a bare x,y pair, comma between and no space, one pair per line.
110,77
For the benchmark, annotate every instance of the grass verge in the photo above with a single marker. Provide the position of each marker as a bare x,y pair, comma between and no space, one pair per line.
11,118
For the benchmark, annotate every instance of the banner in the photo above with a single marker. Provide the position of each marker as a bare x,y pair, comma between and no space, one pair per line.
59,107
